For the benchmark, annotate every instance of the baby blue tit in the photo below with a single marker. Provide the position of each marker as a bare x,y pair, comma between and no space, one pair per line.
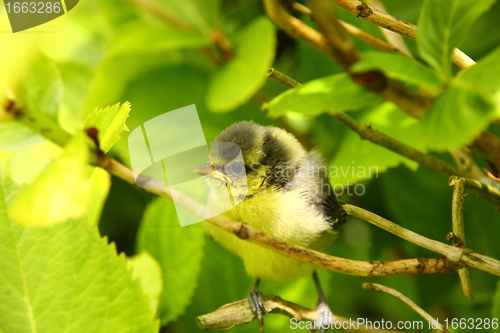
284,191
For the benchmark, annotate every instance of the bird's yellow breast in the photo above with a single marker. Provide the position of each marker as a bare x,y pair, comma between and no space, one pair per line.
282,215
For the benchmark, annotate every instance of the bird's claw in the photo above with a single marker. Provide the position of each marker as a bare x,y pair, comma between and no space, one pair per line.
257,305
324,316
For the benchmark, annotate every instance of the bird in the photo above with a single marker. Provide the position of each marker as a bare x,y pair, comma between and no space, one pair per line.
279,188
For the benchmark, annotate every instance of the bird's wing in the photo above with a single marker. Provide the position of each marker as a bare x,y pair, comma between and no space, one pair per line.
333,211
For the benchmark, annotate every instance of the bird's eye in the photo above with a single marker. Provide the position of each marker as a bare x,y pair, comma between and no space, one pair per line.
237,167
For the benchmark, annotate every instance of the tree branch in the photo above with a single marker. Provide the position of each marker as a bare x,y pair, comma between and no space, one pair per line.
239,313
392,37
458,232
407,301
389,22
346,54
454,254
351,30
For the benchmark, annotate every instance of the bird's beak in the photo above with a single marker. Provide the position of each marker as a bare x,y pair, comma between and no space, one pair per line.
206,170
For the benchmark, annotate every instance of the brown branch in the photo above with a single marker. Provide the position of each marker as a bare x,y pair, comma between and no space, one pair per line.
351,30
392,37
346,54
239,313
389,22
295,28
464,255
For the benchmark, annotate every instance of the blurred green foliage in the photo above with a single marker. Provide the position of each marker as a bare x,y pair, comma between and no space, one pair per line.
214,54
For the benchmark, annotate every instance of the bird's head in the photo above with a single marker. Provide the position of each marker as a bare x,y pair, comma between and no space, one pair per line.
269,158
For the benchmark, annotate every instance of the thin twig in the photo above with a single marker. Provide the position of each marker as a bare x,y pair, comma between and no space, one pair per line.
370,39
351,30
384,20
392,37
457,210
484,189
295,28
454,254
346,54
457,218
239,313
285,80
394,293
381,139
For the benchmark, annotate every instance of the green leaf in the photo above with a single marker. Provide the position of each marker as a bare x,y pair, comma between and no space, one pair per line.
76,77
400,68
358,159
179,252
13,64
110,122
336,93
148,271
140,38
215,289
110,75
117,13
443,25
25,165
467,107
61,192
42,88
14,135
100,184
65,278
42,94
236,81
